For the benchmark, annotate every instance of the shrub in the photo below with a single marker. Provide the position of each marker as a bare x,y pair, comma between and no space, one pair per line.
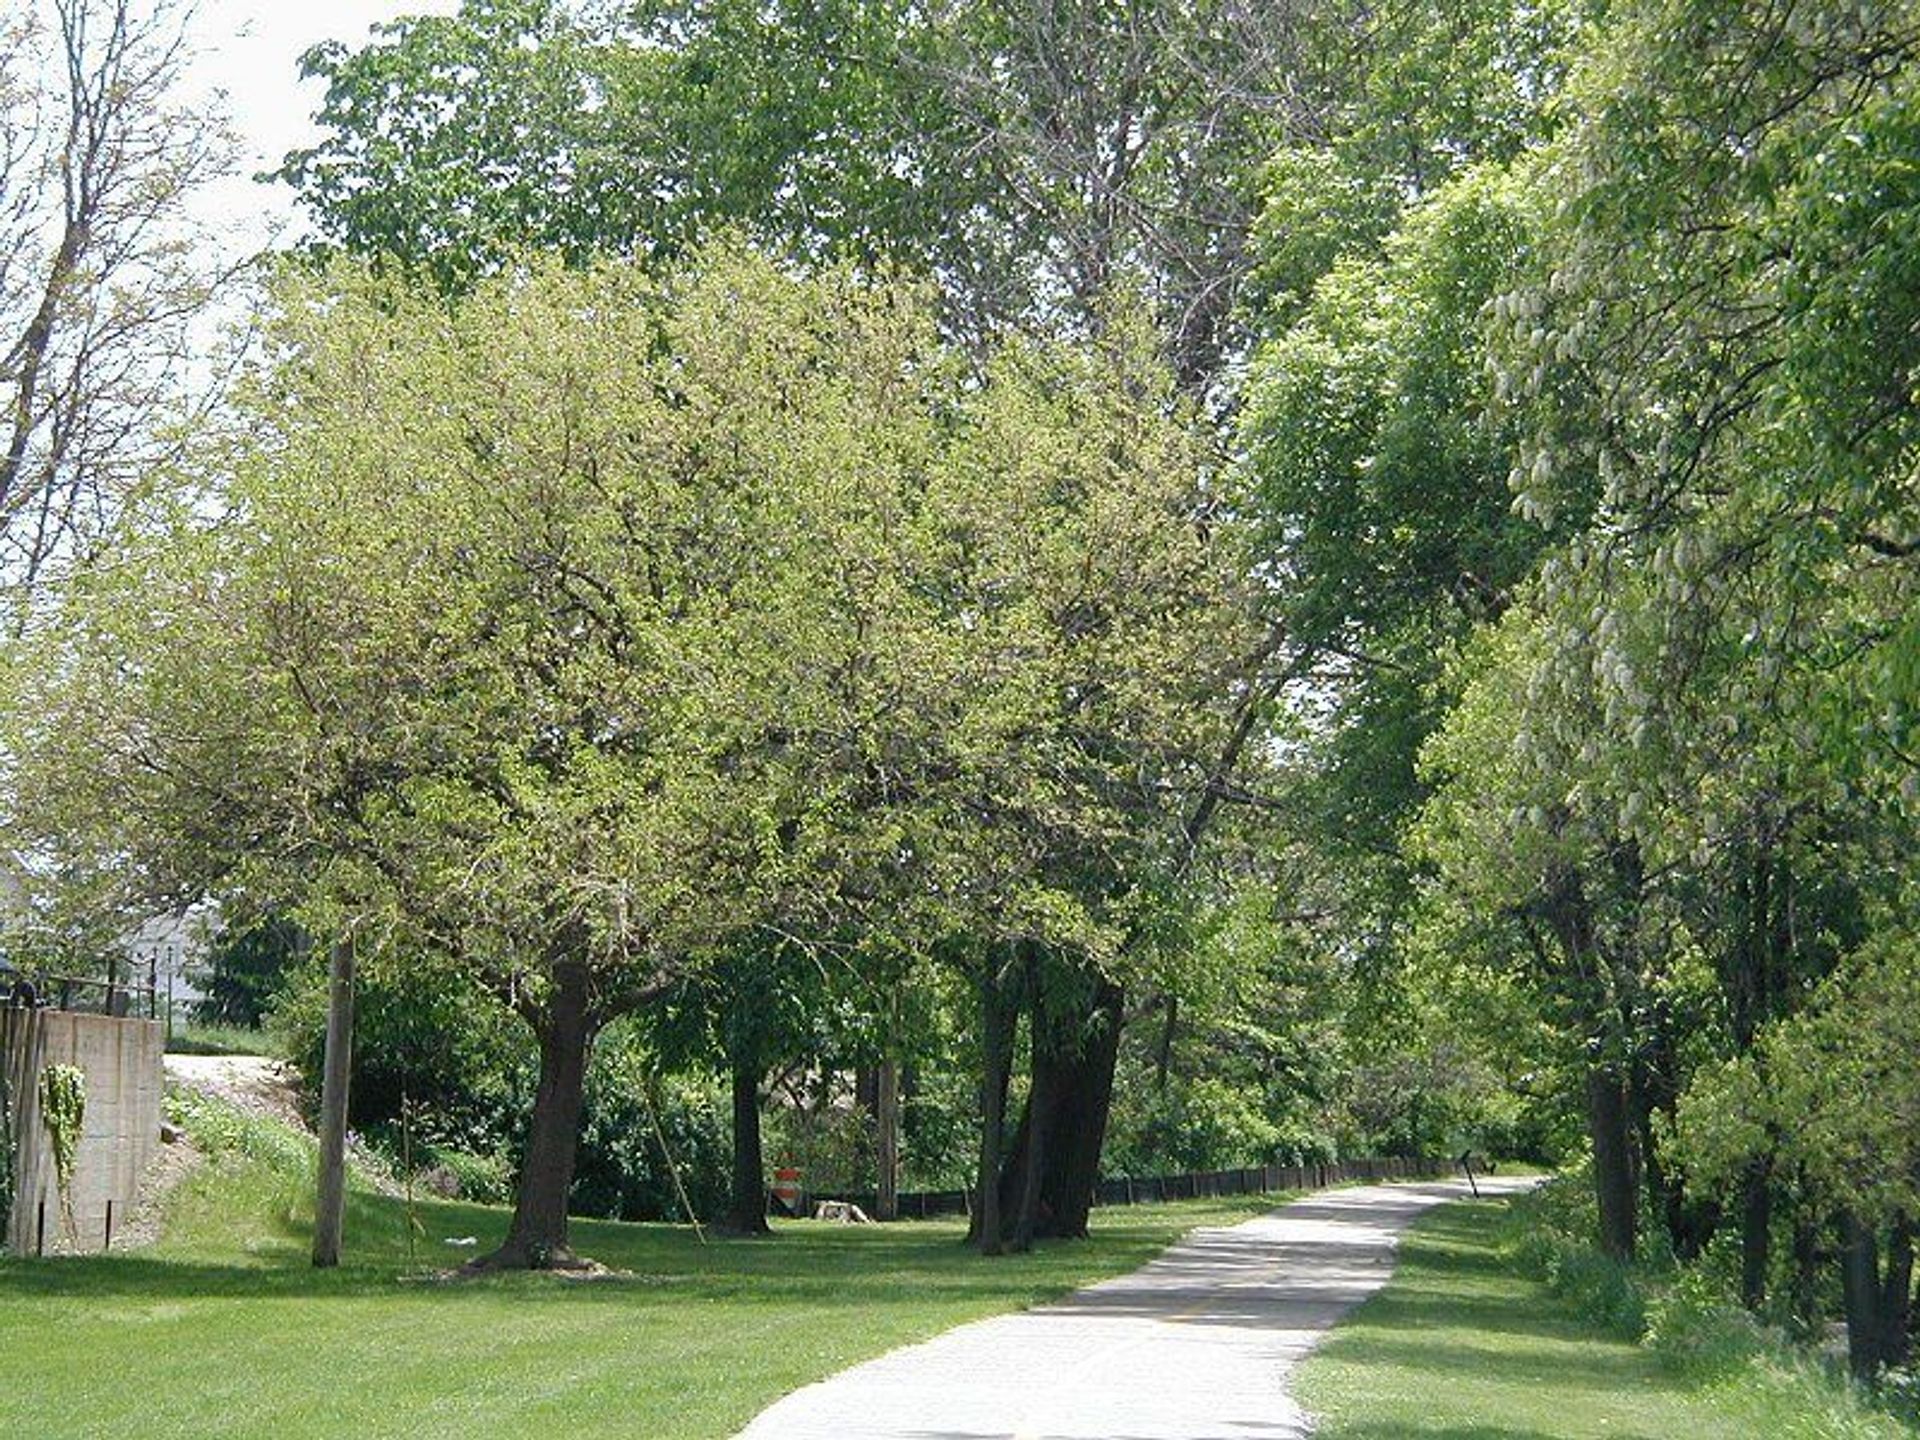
1600,1289
1550,1237
246,968
1900,1394
461,1175
1695,1331
219,1129
620,1172
462,1065
1193,1124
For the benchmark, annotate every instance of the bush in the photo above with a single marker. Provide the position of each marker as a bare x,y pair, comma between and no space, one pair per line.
620,1172
461,1175
1696,1332
940,1131
246,969
1550,1237
833,1146
1600,1289
462,1065
1687,1317
1193,1124
219,1129
1900,1393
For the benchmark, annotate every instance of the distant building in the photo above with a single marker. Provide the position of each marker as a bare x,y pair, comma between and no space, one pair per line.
169,952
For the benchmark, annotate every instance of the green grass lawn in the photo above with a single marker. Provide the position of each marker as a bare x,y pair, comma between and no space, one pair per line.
1460,1347
193,1038
223,1329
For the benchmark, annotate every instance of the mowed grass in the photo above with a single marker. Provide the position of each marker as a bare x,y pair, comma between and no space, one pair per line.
224,1330
1461,1347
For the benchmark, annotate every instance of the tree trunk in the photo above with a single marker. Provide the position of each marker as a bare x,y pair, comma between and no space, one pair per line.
1072,1096
1806,1272
1033,1163
1078,1123
1689,1223
747,1207
330,1201
1896,1298
997,1021
537,1238
1756,1231
1163,1058
1609,1124
1860,1288
886,1144
1613,1179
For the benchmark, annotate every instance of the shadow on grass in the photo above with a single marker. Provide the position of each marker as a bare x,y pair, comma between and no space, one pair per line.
798,1265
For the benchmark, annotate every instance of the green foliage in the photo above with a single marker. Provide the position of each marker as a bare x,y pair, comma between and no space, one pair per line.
1550,1234
1830,1089
462,1175
63,1113
1688,1321
225,1132
245,971
1599,1289
939,1128
622,1172
454,144
1694,1330
1203,1123
462,1067
1458,1342
831,1144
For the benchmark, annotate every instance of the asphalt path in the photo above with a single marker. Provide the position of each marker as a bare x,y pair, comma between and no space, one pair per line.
1196,1345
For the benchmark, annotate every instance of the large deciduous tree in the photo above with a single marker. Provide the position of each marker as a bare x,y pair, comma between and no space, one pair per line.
1105,660
1033,157
535,632
591,625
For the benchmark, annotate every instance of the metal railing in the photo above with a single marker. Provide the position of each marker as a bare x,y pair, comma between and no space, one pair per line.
126,997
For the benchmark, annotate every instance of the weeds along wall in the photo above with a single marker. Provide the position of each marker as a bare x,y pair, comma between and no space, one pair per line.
121,1062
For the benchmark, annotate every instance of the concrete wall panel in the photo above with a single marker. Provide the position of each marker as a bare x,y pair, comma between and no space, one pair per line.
121,1060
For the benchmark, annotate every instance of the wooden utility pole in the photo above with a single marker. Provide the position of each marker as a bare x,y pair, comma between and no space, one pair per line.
330,1204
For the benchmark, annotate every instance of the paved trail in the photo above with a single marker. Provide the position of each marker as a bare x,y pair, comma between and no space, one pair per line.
1195,1346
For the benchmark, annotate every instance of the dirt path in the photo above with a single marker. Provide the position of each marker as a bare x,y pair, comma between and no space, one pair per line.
1197,1345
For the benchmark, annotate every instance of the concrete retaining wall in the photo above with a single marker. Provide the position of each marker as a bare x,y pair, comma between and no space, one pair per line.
121,1059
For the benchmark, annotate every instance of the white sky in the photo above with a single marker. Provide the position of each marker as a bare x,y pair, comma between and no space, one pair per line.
250,49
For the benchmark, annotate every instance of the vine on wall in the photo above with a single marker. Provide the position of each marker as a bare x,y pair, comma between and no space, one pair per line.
63,1110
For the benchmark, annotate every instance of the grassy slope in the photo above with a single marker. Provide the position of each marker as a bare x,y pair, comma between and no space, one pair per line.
225,1330
1459,1347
